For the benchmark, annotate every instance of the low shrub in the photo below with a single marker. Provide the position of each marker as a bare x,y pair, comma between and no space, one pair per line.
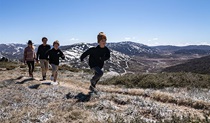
161,80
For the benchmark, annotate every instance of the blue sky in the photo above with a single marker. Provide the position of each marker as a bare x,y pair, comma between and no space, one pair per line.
151,22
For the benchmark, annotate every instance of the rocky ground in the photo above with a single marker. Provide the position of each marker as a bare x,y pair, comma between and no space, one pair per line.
26,100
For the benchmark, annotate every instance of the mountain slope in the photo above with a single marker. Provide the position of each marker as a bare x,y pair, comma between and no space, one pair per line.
198,65
125,56
132,48
185,50
117,62
12,51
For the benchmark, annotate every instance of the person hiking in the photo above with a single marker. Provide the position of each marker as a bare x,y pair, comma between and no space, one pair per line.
53,55
29,57
97,56
41,56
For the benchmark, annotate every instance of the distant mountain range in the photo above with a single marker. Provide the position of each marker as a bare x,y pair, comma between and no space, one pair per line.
12,51
123,54
132,48
185,50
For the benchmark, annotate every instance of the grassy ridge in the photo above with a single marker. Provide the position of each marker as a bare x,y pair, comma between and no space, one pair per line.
161,80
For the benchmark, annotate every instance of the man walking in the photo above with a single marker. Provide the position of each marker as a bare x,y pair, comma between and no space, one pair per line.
42,57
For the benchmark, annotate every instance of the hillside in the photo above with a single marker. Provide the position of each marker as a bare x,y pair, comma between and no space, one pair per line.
27,100
198,65
185,50
132,48
126,57
117,62
14,51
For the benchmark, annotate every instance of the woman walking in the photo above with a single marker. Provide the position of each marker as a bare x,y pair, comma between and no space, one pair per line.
29,57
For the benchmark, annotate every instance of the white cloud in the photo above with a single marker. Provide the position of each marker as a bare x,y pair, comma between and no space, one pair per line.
130,38
127,38
155,39
204,43
153,42
74,39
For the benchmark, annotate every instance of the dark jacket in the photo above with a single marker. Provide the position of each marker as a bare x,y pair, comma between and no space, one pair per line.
54,55
97,56
41,52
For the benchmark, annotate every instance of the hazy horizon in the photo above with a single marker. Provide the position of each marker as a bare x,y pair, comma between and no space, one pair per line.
115,42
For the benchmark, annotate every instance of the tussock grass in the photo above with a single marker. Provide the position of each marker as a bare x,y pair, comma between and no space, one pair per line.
68,68
167,98
8,65
164,97
23,66
73,69
160,80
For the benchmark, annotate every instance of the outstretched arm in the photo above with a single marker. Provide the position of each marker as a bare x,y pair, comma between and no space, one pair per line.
85,54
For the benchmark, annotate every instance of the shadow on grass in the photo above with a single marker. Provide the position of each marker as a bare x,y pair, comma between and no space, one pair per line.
25,80
36,86
81,97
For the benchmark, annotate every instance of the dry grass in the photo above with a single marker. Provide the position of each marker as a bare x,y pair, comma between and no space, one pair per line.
163,97
65,67
9,65
114,104
167,98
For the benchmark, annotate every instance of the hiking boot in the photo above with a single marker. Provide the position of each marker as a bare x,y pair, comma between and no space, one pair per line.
93,84
51,78
44,77
54,83
93,89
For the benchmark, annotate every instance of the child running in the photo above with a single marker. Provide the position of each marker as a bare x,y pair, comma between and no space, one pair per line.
97,56
53,55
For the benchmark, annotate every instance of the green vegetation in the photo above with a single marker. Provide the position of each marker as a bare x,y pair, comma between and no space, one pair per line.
161,80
